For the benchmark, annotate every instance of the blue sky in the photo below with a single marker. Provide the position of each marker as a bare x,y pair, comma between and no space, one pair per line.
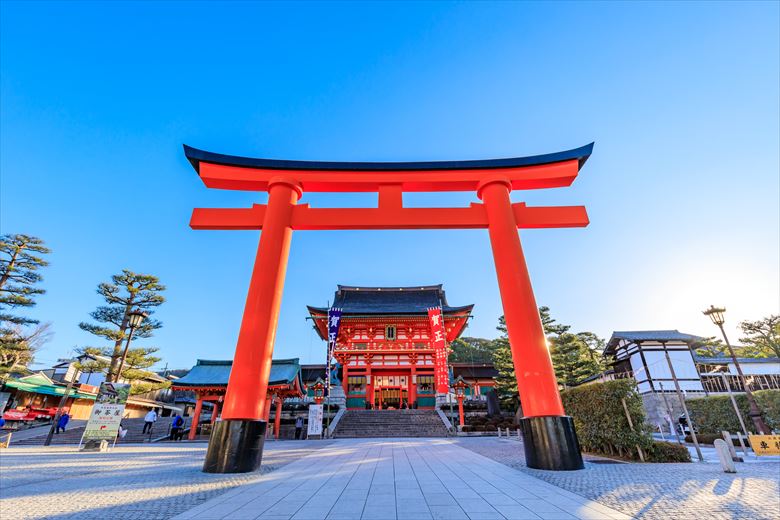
682,101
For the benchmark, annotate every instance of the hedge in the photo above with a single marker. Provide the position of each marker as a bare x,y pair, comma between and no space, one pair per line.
601,422
712,415
667,452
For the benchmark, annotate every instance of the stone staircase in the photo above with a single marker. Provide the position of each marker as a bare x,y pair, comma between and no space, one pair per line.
390,423
134,433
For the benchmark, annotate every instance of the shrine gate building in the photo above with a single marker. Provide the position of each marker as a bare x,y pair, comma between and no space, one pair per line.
385,343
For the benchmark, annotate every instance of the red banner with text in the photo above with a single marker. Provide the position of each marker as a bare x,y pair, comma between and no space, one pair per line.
440,373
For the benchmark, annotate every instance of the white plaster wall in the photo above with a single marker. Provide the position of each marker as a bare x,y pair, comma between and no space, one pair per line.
756,368
683,364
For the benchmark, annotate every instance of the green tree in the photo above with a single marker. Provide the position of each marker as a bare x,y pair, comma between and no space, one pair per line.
761,338
127,291
575,356
710,347
572,358
98,362
134,371
471,350
550,326
20,261
506,383
17,348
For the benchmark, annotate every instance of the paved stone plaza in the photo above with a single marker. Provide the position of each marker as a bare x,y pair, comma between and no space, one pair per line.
658,491
380,479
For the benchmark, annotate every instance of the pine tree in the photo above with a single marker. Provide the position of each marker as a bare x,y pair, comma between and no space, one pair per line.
127,291
20,260
762,337
572,359
471,350
506,382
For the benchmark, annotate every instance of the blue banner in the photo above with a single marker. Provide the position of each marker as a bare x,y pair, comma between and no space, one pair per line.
334,323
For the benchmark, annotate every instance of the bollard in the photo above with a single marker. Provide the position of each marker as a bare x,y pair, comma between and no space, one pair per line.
730,445
725,456
499,432
518,434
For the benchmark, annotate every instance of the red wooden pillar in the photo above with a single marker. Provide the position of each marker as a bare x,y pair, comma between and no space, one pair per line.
369,386
413,386
544,424
248,384
267,409
278,417
345,375
460,409
215,413
533,366
195,418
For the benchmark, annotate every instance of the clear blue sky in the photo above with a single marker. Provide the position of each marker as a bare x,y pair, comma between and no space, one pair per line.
682,189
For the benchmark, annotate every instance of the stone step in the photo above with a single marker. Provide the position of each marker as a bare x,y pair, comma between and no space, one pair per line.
390,423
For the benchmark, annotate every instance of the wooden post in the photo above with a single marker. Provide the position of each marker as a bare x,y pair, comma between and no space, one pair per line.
195,418
631,425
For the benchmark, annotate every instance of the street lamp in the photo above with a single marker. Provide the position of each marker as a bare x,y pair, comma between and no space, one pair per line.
319,390
716,315
460,386
134,318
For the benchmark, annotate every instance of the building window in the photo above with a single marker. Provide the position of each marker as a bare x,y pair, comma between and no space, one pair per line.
356,384
390,333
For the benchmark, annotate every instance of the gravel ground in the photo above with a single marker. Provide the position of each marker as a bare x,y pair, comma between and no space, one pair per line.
657,491
130,482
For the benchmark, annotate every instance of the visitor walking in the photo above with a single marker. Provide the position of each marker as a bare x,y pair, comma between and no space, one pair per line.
176,427
63,422
298,427
149,420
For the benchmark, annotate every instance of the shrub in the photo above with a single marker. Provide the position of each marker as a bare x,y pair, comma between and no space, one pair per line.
713,414
601,422
667,452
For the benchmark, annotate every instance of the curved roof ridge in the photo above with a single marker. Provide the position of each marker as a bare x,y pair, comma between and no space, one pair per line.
436,287
195,156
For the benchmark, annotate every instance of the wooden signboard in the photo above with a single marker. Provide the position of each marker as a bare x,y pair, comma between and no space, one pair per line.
765,444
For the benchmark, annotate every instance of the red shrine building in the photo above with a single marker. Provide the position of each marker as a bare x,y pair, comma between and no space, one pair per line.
385,343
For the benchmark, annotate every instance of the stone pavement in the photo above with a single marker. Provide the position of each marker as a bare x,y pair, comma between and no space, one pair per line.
139,481
467,478
407,479
658,491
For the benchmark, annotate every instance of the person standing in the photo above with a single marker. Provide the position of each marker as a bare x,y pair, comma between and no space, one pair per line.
298,427
149,420
176,427
63,422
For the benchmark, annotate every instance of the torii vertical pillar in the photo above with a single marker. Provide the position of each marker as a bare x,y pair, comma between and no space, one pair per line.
236,444
549,438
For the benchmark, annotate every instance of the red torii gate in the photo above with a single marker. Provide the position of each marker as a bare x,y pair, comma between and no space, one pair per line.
236,443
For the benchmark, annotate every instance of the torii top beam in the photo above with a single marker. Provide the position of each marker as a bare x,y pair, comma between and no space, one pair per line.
390,180
253,174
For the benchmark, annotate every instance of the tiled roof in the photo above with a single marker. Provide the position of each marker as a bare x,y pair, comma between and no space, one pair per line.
649,335
217,372
726,360
39,383
390,300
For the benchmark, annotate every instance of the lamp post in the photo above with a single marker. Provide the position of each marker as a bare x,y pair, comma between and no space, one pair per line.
319,391
460,386
716,315
134,318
